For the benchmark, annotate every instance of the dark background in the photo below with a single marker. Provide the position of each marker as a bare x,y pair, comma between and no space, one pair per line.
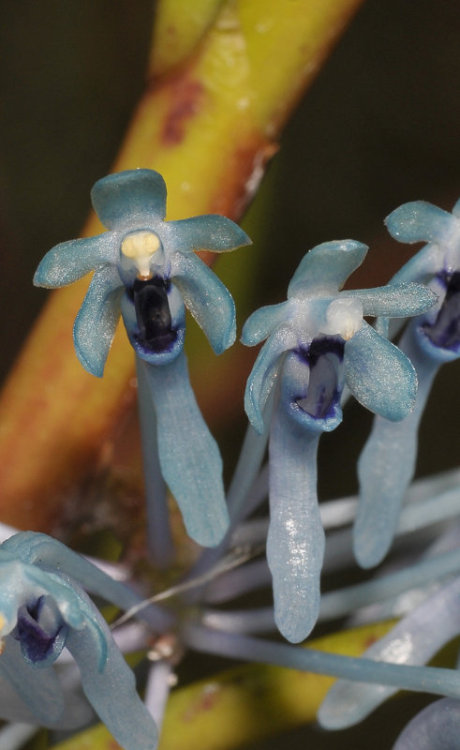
378,127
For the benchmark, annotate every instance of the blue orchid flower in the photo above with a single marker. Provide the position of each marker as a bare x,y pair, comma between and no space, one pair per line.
318,341
387,463
44,609
145,269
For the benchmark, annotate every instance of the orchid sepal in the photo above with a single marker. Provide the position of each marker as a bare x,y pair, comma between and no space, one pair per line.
208,232
70,261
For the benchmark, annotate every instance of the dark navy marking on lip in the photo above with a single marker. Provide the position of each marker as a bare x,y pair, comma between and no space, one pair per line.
318,347
445,331
325,345
155,330
323,391
37,644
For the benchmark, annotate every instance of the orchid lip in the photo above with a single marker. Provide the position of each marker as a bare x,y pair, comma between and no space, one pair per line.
320,402
444,332
37,637
155,330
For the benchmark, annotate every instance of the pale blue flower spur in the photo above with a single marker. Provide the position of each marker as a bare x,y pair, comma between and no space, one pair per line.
434,728
318,341
146,269
387,463
44,609
414,640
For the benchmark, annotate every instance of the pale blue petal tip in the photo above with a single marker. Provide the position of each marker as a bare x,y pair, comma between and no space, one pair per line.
69,261
347,703
379,375
53,270
418,221
295,616
208,232
125,198
396,300
434,728
262,322
328,265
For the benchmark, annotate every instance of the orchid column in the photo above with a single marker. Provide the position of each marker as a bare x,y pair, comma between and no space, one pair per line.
316,342
145,268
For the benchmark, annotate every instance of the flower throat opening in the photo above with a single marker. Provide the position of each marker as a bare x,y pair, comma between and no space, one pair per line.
150,298
445,331
323,358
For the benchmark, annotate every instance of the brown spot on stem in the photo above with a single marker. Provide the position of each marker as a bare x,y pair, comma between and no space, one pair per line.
207,699
186,98
370,641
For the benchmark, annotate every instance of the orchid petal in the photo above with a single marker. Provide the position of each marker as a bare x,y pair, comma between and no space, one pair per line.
71,260
262,322
387,463
434,728
208,232
97,320
110,687
295,542
189,457
419,221
209,301
130,199
379,375
264,374
413,641
395,300
327,266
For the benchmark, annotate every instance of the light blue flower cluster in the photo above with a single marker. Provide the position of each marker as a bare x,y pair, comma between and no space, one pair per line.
44,608
317,345
145,268
318,341
387,463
